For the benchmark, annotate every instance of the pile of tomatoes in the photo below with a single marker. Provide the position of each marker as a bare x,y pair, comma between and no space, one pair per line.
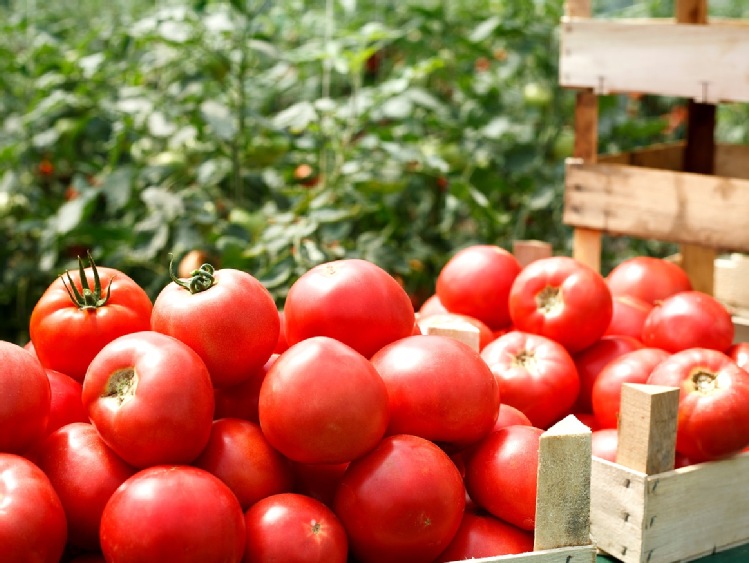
208,425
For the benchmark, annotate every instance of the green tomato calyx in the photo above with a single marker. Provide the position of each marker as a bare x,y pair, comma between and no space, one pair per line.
87,297
200,279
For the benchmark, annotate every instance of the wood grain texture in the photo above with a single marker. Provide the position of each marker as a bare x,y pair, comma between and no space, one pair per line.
582,554
527,251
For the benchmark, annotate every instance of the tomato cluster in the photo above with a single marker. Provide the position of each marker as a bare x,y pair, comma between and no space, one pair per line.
208,425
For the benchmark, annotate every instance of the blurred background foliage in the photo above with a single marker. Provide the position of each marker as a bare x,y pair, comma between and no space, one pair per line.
272,136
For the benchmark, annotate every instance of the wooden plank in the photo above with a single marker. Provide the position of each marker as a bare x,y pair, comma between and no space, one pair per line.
582,554
527,251
587,245
732,161
702,62
657,204
691,11
453,327
731,275
698,262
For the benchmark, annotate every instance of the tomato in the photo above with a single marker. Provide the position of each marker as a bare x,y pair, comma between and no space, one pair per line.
70,323
150,397
713,402
239,455
604,443
438,388
85,472
476,282
631,367
509,416
294,528
501,474
318,480
562,299
32,520
593,359
647,278
739,353
402,502
179,514
350,300
227,316
241,401
323,402
282,344
65,405
25,406
482,535
432,305
536,375
628,316
690,319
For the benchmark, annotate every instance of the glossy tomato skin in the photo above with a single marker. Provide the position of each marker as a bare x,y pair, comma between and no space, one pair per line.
432,306
318,480
713,402
631,367
402,502
66,338
629,315
351,300
510,416
85,472
536,375
648,278
294,528
482,535
349,413
180,514
501,474
739,353
24,409
562,299
150,397
476,282
438,388
604,443
241,401
690,319
233,325
32,520
66,405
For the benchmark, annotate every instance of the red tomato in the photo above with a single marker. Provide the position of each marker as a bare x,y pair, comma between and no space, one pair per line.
431,306
150,397
562,299
239,455
318,480
628,316
536,375
476,282
458,321
509,416
323,402
294,528
227,316
282,344
65,404
439,389
351,300
241,401
179,514
32,520
482,535
631,367
604,443
690,319
25,404
593,359
85,472
647,278
402,502
739,353
713,402
501,474
70,323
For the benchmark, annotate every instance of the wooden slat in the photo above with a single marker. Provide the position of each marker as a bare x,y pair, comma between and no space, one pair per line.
706,63
452,326
527,251
732,161
658,204
583,554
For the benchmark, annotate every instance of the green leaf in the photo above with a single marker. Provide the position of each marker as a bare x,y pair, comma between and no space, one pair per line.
219,118
72,213
484,30
117,189
296,117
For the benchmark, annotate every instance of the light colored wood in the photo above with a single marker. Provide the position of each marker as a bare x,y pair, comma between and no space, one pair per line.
657,204
587,245
578,8
732,161
452,326
732,282
698,262
691,11
703,62
582,554
563,493
647,427
527,251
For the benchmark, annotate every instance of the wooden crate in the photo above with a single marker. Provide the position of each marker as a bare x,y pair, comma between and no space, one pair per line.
644,511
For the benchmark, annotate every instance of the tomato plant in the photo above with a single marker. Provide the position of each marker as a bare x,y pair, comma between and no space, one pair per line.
648,278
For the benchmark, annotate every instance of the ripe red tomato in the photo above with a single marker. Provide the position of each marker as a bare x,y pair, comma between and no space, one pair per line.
647,278
536,375
65,404
713,402
593,359
501,474
180,514
239,455
690,319
282,344
241,401
323,402
24,409
628,316
71,322
439,389
294,528
227,316
739,353
562,299
509,416
482,535
631,367
431,306
32,520
350,300
604,443
458,321
476,282
402,502
85,472
150,397
318,480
